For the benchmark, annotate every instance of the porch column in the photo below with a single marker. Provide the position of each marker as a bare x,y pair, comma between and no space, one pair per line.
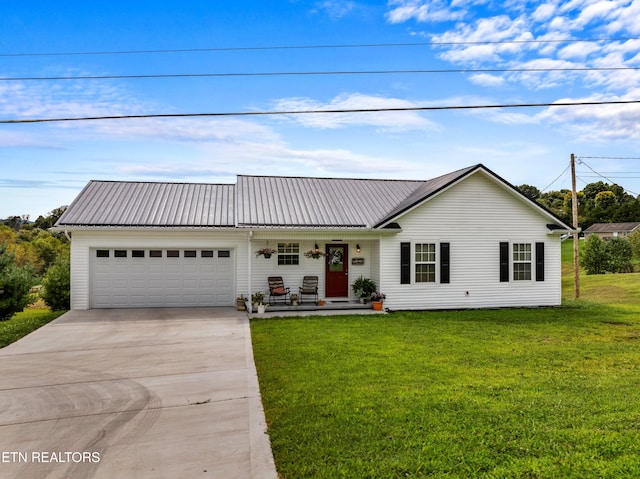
249,255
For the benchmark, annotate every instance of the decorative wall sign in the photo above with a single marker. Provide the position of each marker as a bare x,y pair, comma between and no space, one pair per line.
357,261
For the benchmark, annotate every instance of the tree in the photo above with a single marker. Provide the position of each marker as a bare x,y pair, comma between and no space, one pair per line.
606,200
529,191
594,258
634,241
15,282
619,255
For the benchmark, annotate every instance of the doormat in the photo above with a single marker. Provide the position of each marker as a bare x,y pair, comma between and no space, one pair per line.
340,301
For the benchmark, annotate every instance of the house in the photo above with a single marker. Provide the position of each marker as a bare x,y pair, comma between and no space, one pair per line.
467,239
606,231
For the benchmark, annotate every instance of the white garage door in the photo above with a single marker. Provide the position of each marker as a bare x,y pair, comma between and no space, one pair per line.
170,277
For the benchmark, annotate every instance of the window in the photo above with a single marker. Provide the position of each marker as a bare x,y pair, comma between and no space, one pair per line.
102,253
521,261
206,253
137,253
425,258
120,253
288,253
173,253
155,253
224,253
189,253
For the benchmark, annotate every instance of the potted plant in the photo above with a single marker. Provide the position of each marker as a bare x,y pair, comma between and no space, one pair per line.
321,302
314,253
257,300
363,288
241,303
377,299
266,252
294,299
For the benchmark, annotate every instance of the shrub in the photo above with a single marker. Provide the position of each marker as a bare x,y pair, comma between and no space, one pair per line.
57,285
16,283
619,255
594,258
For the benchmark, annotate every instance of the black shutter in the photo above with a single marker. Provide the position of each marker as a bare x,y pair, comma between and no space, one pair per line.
504,261
444,262
405,263
539,261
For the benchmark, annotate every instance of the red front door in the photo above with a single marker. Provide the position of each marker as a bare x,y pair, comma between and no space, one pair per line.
337,271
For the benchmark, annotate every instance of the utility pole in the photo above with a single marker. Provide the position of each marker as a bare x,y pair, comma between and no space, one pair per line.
574,208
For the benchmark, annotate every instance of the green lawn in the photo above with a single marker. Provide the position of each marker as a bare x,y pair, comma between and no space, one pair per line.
522,393
25,322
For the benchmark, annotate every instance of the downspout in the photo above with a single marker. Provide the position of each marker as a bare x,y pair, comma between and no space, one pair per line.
249,238
66,233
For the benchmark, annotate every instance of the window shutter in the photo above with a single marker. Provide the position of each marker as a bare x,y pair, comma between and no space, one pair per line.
405,263
444,262
504,262
539,261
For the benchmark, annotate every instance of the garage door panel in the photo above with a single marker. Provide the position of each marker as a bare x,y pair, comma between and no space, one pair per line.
159,281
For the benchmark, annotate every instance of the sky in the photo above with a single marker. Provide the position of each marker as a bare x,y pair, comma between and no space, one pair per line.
491,46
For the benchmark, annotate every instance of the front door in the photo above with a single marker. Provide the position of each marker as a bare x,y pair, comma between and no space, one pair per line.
337,271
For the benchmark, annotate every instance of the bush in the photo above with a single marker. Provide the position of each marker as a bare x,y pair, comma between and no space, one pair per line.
594,258
16,283
57,285
619,255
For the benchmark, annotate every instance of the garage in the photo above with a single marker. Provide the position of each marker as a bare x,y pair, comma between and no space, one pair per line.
167,277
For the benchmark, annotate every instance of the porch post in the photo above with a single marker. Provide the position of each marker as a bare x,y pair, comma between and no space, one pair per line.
249,258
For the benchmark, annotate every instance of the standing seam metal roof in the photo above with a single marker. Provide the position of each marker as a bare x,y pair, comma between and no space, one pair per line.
256,201
114,203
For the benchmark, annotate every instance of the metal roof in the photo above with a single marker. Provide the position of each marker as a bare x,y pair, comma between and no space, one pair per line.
318,202
124,203
257,201
611,227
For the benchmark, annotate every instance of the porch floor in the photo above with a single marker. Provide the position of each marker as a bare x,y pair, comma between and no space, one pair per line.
330,307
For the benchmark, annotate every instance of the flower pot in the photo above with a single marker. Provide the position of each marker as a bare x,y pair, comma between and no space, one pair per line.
267,255
262,308
377,305
240,306
321,302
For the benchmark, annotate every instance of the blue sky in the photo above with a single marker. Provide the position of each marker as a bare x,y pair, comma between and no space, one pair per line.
46,165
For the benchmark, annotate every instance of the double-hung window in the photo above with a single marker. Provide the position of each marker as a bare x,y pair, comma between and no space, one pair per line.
288,253
425,262
521,261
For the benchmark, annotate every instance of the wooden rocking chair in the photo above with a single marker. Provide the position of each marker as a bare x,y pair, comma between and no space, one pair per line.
309,287
277,289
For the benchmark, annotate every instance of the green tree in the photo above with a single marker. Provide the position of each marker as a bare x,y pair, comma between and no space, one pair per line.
634,241
605,200
594,258
15,283
619,255
57,285
529,191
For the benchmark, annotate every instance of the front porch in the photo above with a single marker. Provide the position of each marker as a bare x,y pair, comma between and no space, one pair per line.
330,307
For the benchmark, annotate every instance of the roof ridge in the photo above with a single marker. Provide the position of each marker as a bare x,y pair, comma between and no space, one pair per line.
150,182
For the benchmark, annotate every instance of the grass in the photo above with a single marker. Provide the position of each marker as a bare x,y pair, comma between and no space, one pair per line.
24,323
521,393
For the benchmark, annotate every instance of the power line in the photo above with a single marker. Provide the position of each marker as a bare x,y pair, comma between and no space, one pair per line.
557,178
312,73
313,47
610,157
602,176
330,111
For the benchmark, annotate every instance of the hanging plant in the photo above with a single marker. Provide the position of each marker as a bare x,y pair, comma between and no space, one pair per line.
266,252
314,253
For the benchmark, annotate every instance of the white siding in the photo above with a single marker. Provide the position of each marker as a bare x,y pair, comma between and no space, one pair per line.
292,275
473,216
84,241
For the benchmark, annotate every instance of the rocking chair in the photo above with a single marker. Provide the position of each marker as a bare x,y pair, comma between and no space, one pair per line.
277,289
309,287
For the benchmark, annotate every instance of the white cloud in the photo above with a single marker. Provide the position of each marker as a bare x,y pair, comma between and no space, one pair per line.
423,11
384,120
544,12
485,79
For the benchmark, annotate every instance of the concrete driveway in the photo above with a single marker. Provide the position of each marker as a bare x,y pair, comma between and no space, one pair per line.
144,393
